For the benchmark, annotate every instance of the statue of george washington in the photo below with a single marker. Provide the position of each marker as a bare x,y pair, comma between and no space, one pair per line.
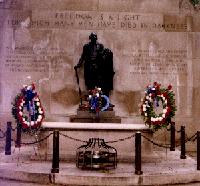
98,65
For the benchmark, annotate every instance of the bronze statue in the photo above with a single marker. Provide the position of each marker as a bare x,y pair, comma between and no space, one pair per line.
98,65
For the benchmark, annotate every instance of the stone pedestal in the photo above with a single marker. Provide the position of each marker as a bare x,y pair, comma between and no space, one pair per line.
116,135
84,115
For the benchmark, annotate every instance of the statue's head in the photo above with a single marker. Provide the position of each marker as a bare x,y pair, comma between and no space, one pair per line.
93,36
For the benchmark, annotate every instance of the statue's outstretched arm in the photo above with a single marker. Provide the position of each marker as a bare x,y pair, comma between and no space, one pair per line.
82,59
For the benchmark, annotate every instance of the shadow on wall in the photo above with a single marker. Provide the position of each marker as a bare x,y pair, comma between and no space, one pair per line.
130,100
66,97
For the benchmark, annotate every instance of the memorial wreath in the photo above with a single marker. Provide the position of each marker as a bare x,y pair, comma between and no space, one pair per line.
29,122
166,96
96,98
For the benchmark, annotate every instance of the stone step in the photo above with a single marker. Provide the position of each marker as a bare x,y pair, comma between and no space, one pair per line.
95,119
85,108
83,113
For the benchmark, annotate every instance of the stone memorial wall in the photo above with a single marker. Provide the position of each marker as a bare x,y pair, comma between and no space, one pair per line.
151,40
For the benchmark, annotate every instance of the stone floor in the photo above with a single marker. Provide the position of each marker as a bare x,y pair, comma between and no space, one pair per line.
171,170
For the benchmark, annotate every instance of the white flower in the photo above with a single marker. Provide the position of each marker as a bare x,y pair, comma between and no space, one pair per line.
32,123
160,118
41,112
38,104
97,94
153,89
144,109
161,95
24,120
99,88
37,99
165,101
40,117
20,113
141,99
29,87
23,102
24,86
90,96
164,111
146,101
28,124
145,92
147,97
145,114
163,115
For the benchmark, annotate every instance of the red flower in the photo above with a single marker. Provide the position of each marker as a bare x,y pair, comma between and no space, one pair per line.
23,90
169,109
92,91
155,83
166,114
159,93
148,120
35,94
169,87
165,95
97,109
141,107
25,126
158,87
163,121
157,122
153,95
168,101
99,97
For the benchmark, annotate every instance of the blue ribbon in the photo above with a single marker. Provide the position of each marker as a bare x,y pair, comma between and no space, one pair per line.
94,102
150,91
107,102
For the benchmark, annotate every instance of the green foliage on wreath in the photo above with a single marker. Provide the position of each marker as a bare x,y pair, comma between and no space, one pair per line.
166,96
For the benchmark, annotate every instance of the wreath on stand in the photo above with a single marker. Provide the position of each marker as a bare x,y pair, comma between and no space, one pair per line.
97,101
29,122
155,94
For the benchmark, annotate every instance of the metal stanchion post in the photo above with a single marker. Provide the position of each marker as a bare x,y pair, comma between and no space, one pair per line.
8,139
55,163
172,148
18,141
198,150
183,156
138,170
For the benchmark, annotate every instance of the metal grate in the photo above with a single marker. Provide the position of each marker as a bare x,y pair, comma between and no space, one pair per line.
96,155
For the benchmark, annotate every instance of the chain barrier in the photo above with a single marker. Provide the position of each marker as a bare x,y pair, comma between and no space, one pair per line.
121,139
37,141
154,142
177,131
4,133
13,129
105,142
190,139
73,138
